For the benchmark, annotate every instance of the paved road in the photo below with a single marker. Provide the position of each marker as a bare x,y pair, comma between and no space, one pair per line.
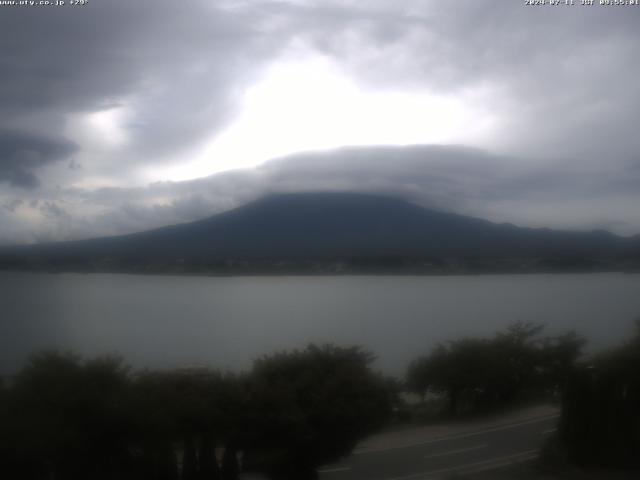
485,447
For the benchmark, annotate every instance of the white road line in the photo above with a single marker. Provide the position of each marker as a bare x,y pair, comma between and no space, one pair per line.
484,465
460,450
335,470
547,432
504,463
456,436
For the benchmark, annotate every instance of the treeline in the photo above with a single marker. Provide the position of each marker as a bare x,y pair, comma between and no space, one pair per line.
476,374
65,418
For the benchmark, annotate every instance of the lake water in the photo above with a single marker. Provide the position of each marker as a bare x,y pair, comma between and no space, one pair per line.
167,321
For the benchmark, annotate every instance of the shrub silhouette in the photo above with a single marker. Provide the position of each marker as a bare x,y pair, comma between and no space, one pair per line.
67,418
319,402
477,373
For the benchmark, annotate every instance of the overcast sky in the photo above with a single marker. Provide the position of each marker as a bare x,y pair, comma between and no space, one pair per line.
122,115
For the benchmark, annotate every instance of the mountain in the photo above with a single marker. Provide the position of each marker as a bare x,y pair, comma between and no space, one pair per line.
301,229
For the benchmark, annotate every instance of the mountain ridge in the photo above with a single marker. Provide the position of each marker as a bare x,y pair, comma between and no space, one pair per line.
324,227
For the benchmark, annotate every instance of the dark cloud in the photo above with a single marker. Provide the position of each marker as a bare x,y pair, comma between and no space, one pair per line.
73,165
12,205
21,153
53,210
177,69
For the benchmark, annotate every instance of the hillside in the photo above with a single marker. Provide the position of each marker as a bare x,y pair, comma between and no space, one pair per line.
320,228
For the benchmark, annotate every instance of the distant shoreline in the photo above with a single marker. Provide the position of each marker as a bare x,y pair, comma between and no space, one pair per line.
631,270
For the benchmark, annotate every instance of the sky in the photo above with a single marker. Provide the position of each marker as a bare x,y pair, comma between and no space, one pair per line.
120,116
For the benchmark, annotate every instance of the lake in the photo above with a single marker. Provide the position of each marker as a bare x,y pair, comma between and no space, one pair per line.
226,322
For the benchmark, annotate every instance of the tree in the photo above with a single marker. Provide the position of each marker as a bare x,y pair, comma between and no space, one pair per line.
559,357
312,406
66,417
230,468
187,411
476,373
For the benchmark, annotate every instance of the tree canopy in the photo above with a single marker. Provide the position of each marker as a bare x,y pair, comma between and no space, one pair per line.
475,373
68,418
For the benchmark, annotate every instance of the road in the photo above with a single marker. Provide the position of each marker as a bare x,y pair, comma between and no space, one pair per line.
447,450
